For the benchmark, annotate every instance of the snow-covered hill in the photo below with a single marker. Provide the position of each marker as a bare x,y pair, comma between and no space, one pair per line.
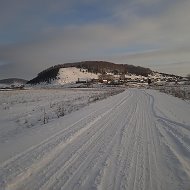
95,67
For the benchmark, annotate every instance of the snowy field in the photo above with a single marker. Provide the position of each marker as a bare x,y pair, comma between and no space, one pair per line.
25,110
138,139
180,90
29,108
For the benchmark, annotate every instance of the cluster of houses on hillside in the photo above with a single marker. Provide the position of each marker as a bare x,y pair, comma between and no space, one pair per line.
127,79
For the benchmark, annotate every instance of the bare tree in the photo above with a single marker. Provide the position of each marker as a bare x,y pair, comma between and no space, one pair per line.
45,116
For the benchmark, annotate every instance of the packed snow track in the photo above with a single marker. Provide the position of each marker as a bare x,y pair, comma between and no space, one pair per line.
139,139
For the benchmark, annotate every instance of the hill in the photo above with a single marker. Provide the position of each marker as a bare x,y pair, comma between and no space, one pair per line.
94,67
10,81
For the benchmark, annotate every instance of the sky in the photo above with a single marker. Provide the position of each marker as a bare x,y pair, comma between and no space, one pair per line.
38,34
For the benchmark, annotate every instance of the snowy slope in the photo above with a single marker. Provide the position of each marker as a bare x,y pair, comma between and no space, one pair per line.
139,139
72,74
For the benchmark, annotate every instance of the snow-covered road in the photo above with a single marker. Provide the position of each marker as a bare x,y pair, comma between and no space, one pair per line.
139,139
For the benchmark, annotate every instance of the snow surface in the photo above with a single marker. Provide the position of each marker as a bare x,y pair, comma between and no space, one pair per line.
138,139
25,111
72,74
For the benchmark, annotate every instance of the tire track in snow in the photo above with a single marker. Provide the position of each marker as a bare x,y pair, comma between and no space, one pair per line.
34,154
139,167
175,150
110,154
176,169
125,158
126,134
136,179
105,127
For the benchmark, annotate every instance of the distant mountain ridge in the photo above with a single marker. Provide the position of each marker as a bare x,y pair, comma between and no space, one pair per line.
13,80
101,67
